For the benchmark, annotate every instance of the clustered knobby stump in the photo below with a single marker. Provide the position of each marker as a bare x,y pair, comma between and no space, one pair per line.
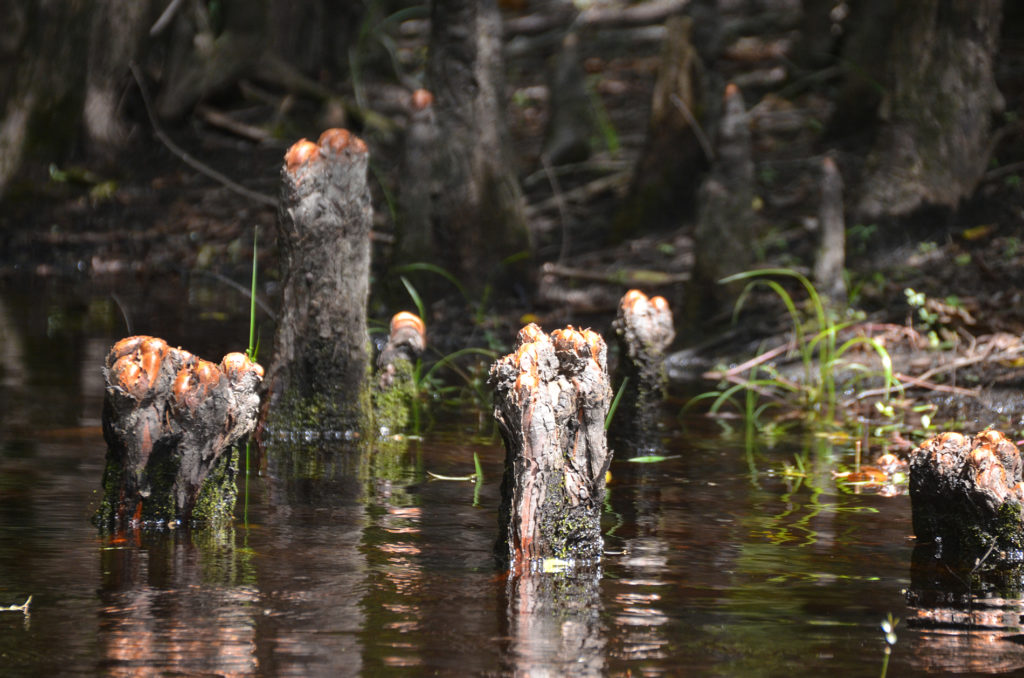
318,378
169,419
966,495
551,398
644,329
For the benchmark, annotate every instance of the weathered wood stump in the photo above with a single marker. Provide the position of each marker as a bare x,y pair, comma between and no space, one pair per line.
169,419
396,385
644,329
318,377
966,495
551,398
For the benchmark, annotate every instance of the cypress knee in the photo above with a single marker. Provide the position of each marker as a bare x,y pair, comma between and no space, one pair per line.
318,377
966,496
551,398
169,419
396,385
644,330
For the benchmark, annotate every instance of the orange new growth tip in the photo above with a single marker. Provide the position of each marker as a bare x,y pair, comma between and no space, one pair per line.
236,364
130,377
422,98
182,385
128,345
405,319
208,374
300,153
530,333
337,140
151,356
731,90
631,298
529,367
568,340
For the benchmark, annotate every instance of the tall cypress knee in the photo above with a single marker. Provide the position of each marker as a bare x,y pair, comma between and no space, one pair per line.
318,377
551,398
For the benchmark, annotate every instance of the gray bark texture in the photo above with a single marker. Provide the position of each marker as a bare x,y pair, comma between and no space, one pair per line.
966,495
934,146
319,371
551,398
831,259
644,330
478,215
169,419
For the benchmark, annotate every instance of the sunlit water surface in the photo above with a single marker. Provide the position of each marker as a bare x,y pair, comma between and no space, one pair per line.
350,561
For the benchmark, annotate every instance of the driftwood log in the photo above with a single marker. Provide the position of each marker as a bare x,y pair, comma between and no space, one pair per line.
169,419
644,330
551,398
318,377
966,495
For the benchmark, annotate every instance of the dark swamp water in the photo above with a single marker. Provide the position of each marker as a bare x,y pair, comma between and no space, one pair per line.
353,562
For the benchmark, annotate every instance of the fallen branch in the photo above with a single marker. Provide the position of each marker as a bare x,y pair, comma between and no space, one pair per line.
188,159
581,193
224,121
644,14
628,277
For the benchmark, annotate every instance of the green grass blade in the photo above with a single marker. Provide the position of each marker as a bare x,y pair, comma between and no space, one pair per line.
615,403
251,352
415,296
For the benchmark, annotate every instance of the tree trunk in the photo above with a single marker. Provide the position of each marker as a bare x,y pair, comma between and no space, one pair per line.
966,496
169,419
942,94
571,122
119,29
675,154
644,330
42,71
477,216
725,233
551,398
318,377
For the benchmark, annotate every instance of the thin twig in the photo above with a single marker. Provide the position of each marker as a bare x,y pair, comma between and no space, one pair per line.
698,132
563,211
753,362
165,19
188,159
